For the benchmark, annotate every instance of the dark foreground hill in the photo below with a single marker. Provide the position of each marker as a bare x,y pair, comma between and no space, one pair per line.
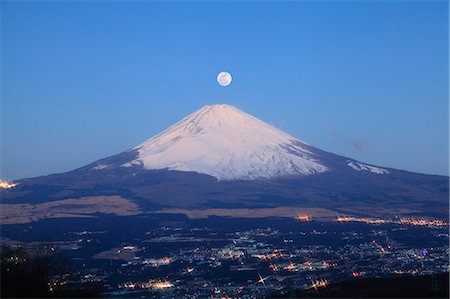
425,286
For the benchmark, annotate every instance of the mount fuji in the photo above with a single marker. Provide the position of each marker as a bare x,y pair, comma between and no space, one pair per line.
228,144
222,158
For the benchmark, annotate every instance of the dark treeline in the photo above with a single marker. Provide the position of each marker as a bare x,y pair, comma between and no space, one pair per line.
26,274
421,286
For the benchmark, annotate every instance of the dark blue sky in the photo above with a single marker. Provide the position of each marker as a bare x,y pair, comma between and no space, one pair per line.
85,80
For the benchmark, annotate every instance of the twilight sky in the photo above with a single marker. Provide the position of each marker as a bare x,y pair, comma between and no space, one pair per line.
88,79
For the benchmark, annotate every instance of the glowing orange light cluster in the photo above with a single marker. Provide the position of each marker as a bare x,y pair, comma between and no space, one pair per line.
129,285
358,274
273,267
374,220
6,185
151,284
56,283
261,279
163,285
304,217
159,262
315,284
406,221
344,219
269,256
365,220
310,265
275,254
423,222
291,267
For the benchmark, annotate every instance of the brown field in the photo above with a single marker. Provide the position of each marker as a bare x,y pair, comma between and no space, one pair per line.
87,206
67,208
291,212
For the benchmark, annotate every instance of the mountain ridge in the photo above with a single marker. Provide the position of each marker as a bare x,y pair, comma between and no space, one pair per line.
347,186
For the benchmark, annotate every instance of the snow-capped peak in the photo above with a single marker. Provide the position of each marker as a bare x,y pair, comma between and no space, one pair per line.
224,142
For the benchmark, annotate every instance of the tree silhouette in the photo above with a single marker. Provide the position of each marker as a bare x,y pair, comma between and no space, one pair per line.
27,274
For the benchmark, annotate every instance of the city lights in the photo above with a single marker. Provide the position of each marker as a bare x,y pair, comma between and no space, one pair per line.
291,267
316,284
304,218
261,279
151,284
403,220
6,184
358,274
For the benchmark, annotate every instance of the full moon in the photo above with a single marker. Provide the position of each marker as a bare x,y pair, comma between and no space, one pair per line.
224,78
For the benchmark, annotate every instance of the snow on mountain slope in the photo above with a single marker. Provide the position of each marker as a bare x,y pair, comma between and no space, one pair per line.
364,167
224,142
